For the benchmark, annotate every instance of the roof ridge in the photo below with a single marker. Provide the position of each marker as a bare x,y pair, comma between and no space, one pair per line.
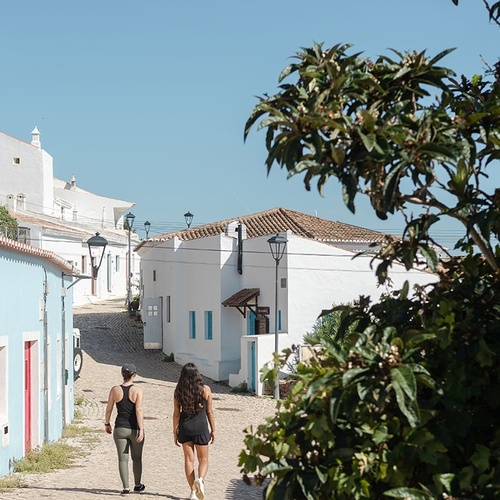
277,220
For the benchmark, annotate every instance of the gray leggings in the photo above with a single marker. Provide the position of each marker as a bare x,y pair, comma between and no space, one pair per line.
125,441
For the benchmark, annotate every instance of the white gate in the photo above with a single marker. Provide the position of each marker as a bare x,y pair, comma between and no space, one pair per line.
151,312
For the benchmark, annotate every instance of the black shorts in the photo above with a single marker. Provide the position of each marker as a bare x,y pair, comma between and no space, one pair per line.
199,439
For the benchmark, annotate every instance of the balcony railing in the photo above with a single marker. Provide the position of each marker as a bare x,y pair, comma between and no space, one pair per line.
21,234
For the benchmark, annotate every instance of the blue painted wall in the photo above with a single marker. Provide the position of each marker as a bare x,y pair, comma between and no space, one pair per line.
32,289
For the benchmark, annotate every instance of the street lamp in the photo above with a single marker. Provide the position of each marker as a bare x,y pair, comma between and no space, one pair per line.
277,244
147,225
97,245
130,217
188,217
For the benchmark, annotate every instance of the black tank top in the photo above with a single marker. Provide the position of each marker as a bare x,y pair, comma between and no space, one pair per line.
126,417
195,423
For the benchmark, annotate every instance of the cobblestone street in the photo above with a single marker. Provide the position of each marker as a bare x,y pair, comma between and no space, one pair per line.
109,338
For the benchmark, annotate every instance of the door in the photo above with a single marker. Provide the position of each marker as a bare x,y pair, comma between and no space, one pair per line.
251,318
27,396
151,312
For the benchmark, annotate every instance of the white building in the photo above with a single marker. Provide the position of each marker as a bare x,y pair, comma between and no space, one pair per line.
59,216
208,292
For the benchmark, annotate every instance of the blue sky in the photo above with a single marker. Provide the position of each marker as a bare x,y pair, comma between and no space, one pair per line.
147,100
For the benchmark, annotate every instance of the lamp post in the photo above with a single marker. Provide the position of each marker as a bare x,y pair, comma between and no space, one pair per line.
188,217
130,217
97,245
147,225
277,244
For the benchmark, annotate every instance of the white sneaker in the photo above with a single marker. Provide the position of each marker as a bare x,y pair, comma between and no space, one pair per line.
199,484
193,496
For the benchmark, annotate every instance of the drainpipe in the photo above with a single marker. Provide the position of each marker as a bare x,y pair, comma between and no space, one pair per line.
45,360
63,355
240,249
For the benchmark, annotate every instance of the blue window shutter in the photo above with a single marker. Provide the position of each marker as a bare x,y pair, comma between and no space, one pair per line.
192,324
208,325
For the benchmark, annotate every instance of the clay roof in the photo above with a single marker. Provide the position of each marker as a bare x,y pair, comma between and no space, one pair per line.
38,221
68,227
16,246
278,220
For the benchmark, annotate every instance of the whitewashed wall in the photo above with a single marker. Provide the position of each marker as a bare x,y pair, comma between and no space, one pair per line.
32,176
89,208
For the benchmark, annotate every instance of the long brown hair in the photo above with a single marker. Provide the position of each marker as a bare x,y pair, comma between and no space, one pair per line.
190,389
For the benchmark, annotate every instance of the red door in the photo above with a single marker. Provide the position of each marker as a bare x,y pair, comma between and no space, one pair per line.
27,396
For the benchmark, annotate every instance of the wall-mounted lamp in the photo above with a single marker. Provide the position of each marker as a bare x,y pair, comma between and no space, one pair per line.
188,217
97,245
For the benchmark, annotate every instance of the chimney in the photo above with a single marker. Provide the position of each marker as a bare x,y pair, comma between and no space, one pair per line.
35,138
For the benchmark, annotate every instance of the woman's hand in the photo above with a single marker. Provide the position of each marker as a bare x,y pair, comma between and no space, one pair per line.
176,439
108,429
140,436
212,437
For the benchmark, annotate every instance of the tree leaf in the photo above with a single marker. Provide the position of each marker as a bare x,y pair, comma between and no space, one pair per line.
407,494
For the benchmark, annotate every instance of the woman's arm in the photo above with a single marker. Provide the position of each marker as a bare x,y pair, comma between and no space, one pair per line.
139,412
210,412
109,410
175,418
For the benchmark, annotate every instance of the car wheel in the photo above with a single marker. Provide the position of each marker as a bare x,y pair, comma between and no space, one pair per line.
77,362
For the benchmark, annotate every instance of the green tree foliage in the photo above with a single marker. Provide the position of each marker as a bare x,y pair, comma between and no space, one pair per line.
405,402
8,224
374,126
327,327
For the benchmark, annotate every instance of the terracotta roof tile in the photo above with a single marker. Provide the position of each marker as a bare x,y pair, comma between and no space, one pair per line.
16,246
278,220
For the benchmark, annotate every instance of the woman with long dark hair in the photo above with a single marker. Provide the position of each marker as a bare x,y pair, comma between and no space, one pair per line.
129,426
193,413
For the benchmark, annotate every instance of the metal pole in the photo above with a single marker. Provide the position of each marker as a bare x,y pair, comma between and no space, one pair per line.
129,285
276,340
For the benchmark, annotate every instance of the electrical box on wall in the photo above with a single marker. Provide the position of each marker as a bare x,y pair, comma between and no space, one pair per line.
5,435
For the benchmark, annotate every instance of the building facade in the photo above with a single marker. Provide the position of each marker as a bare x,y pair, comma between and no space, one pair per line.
209,292
60,216
36,349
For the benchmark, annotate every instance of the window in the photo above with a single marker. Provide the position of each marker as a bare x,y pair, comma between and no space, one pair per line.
167,309
279,320
154,274
117,263
192,324
208,325
16,160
